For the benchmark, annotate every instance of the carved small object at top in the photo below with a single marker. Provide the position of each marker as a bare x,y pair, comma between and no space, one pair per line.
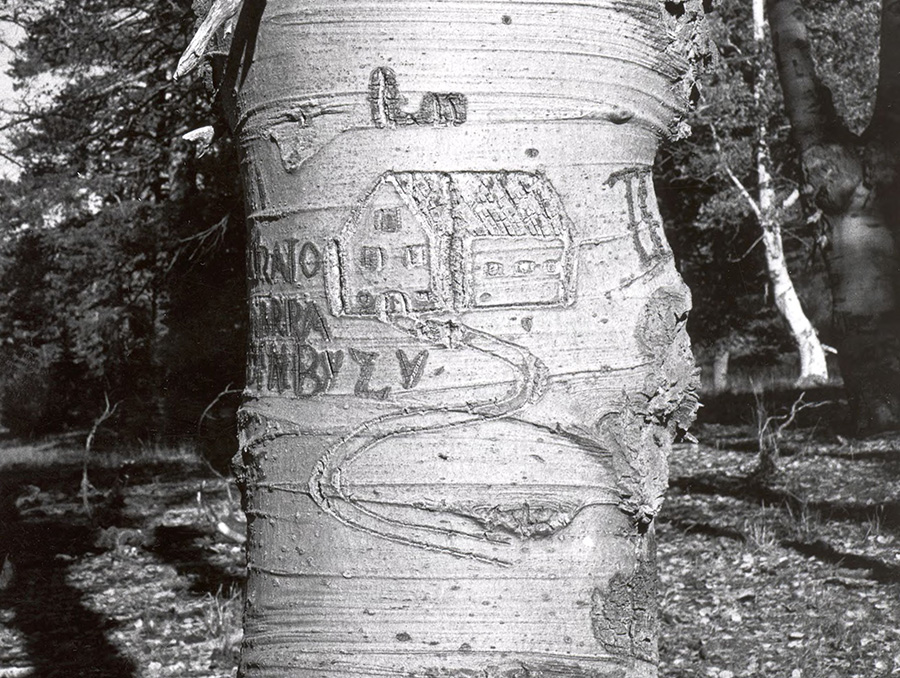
436,108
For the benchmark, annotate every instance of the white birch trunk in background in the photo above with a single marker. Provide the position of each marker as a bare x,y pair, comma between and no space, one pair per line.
468,350
721,358
813,368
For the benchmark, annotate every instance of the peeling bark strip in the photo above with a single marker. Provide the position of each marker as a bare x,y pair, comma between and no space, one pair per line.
624,614
467,362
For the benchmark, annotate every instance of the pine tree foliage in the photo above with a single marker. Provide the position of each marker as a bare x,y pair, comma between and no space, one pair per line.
121,269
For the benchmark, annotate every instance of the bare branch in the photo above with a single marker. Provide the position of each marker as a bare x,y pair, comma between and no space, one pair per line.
11,159
734,179
747,252
108,411
220,12
224,392
771,428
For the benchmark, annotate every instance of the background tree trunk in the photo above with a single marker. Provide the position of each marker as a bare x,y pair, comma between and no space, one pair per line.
468,355
813,367
720,370
853,181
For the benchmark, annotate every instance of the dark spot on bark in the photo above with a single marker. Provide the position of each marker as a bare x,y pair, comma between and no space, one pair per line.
532,152
675,8
465,647
619,116
403,637
506,19
694,95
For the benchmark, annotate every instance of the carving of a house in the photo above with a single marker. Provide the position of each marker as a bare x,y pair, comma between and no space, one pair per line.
441,241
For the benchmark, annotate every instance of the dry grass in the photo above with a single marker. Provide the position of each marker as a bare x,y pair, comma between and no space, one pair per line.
69,448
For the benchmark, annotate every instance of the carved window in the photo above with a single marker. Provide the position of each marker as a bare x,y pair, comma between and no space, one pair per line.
524,267
493,269
372,258
387,220
415,256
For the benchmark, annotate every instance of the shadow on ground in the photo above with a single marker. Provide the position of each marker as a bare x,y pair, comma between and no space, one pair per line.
185,548
63,638
751,491
887,514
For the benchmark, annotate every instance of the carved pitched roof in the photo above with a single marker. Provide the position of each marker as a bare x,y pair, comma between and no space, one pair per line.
508,203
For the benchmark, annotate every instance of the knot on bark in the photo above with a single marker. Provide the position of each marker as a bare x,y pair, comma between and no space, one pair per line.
832,173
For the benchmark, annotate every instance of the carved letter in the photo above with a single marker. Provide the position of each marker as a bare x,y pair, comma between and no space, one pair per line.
279,359
411,371
310,260
282,264
366,361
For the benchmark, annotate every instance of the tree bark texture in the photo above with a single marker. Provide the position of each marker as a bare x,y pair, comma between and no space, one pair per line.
813,367
468,355
853,181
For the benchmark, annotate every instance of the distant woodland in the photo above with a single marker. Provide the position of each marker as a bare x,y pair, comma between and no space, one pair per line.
122,239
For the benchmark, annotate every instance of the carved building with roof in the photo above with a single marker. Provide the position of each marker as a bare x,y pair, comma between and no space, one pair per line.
442,241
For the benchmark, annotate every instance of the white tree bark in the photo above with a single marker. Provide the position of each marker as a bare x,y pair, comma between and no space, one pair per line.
813,368
468,350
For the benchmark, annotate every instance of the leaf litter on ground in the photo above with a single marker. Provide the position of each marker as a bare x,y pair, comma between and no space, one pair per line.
797,577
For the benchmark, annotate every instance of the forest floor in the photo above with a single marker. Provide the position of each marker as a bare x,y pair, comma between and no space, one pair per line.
794,577
797,577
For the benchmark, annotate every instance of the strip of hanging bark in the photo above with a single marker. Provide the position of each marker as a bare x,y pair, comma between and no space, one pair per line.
220,12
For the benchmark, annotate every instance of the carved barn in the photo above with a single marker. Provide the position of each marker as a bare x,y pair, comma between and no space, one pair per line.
441,241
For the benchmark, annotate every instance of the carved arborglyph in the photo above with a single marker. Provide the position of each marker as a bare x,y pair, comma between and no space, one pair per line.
467,354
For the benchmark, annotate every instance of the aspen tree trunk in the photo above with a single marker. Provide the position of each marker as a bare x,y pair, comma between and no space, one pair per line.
813,367
468,354
854,182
